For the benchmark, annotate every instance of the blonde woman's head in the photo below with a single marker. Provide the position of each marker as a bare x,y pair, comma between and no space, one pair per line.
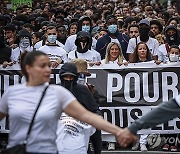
113,52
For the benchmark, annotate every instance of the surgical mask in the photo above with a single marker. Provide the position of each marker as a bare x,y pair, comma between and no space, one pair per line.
174,57
112,29
82,79
52,38
85,28
24,43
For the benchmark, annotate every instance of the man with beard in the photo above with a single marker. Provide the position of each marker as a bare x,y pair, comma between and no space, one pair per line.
172,38
153,45
133,31
73,135
83,42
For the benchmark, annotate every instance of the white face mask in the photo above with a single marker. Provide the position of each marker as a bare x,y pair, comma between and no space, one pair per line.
24,43
52,38
174,57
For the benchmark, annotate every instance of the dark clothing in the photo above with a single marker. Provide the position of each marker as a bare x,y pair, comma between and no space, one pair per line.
97,142
163,113
84,96
103,42
5,54
176,36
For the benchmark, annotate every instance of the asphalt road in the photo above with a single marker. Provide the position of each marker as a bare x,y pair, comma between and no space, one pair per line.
138,152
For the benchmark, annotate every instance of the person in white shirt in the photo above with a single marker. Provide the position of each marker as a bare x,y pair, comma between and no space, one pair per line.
114,55
84,24
83,43
24,45
153,45
69,129
56,54
44,41
172,38
174,54
20,102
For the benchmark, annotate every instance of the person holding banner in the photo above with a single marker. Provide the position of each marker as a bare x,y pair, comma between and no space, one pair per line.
141,53
20,102
114,55
164,112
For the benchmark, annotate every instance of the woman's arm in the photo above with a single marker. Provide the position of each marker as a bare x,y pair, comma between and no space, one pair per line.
77,111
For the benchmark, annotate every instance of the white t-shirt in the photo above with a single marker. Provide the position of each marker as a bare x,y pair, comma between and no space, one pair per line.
70,43
115,40
73,135
163,55
20,102
112,62
15,55
89,56
152,44
39,44
54,52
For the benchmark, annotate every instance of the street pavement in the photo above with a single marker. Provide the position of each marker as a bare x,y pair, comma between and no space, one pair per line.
138,152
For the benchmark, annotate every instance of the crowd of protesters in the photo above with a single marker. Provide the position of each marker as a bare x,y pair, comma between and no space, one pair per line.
100,32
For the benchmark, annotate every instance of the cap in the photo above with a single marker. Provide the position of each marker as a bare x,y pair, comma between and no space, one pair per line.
81,65
144,21
68,69
68,73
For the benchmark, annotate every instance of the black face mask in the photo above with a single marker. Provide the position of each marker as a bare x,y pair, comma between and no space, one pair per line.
172,39
82,46
68,84
144,34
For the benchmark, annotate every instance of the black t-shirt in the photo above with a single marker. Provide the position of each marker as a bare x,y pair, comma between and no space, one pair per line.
5,54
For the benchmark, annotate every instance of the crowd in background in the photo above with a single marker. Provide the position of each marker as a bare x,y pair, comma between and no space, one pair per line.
98,31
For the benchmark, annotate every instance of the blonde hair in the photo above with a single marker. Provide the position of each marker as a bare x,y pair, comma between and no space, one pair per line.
107,57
